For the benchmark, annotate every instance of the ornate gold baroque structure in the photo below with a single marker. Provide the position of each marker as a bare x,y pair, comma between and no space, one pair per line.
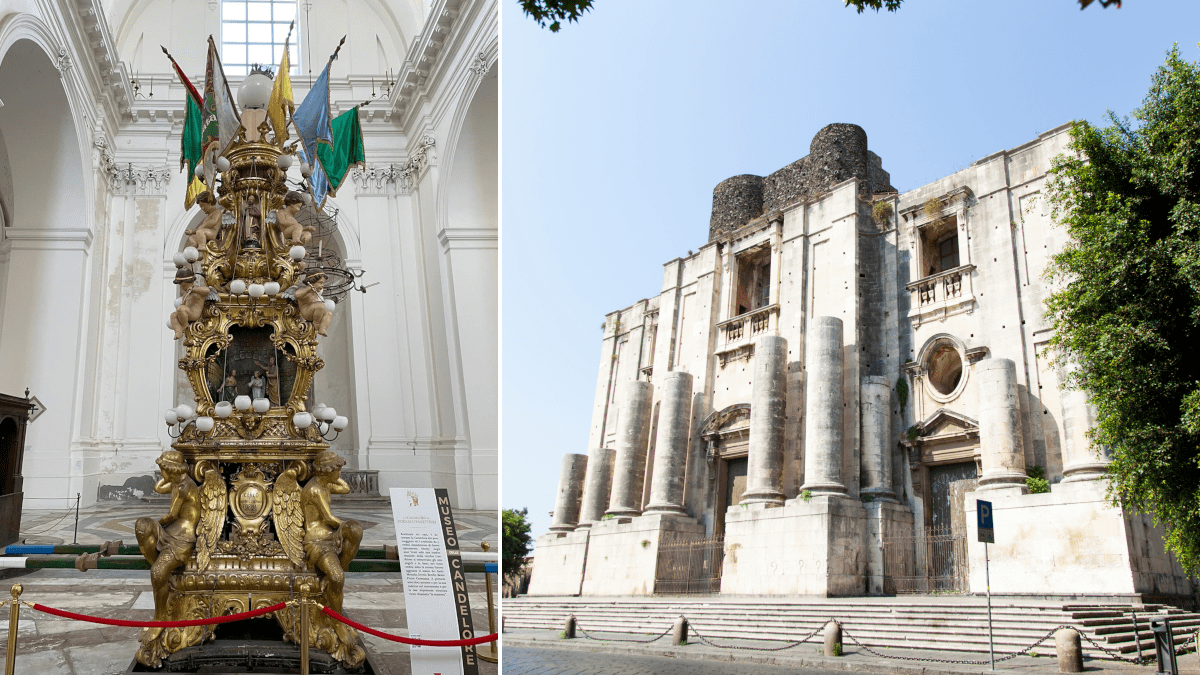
250,523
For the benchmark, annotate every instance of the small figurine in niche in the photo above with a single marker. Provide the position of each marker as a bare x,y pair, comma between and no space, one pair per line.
290,229
192,305
271,370
252,221
311,304
229,392
210,228
258,386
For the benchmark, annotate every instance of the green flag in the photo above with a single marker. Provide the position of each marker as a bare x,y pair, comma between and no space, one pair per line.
347,150
190,150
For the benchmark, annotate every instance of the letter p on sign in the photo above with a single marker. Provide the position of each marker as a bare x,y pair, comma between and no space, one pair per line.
984,511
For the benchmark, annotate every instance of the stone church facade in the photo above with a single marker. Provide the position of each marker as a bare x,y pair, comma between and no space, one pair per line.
816,398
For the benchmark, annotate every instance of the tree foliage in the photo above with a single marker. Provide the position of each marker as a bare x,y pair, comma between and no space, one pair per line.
555,11
516,541
1126,308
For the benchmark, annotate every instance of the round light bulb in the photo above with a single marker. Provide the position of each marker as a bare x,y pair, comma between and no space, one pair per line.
340,422
191,254
185,411
323,427
328,414
199,170
308,199
305,168
237,287
170,416
271,287
256,290
296,252
178,302
242,402
224,409
222,164
302,420
179,259
255,91
262,405
284,162
330,305
204,424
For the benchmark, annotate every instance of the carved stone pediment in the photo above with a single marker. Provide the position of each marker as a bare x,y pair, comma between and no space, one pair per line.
947,424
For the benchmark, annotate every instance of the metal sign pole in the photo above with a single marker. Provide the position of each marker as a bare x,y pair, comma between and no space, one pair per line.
988,580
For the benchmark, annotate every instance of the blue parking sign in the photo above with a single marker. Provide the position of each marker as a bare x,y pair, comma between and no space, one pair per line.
984,511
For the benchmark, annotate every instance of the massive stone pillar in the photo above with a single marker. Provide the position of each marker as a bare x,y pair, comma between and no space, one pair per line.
633,435
671,444
824,437
1000,442
876,398
570,493
1080,462
768,404
597,486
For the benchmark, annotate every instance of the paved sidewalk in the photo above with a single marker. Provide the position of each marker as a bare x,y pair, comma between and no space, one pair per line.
48,645
808,655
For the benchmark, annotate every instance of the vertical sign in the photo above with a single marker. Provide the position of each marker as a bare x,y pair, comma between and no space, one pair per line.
435,588
984,511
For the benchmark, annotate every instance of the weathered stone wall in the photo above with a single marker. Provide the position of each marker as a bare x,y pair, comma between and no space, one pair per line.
837,153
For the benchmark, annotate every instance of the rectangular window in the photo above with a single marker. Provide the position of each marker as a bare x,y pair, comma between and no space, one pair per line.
753,280
253,32
948,251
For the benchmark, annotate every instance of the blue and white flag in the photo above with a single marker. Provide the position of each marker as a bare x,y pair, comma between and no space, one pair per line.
312,117
318,181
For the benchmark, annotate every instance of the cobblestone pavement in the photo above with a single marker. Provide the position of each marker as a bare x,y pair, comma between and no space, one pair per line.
48,645
527,661
537,652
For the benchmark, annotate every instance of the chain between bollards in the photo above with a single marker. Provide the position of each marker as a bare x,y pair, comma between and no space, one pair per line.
14,617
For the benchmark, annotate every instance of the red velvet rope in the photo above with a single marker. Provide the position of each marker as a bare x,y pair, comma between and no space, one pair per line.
158,624
410,641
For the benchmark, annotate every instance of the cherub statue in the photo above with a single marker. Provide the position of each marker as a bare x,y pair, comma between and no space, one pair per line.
310,533
311,304
168,542
194,295
209,229
290,229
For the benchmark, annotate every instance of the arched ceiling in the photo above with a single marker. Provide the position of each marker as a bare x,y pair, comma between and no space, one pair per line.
378,32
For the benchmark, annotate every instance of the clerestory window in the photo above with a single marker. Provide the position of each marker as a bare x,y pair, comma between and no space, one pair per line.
254,31
753,280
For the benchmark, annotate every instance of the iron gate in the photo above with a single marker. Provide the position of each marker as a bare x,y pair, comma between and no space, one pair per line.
932,561
689,565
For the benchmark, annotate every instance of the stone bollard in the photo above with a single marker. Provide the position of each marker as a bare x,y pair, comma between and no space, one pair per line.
569,628
1070,655
833,639
679,634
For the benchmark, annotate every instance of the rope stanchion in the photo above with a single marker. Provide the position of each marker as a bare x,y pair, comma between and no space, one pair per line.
157,624
406,640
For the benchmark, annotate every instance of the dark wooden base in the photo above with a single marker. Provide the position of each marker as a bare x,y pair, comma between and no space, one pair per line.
10,518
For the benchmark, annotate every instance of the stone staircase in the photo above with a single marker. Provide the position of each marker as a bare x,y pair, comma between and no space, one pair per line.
935,623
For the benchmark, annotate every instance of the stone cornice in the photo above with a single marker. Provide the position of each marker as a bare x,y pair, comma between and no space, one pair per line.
130,179
114,88
423,54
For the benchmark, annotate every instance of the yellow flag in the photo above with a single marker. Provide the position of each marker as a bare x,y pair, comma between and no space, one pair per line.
281,98
193,190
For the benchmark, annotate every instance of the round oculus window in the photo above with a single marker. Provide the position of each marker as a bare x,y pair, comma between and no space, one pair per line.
945,369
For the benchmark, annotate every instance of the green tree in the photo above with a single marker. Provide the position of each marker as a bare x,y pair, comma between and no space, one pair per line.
1127,303
555,11
516,541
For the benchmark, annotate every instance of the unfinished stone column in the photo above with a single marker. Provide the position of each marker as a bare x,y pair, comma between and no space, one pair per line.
671,444
768,404
633,435
824,438
1080,462
570,493
1000,442
876,399
597,486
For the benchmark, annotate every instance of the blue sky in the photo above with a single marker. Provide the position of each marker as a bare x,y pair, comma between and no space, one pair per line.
616,129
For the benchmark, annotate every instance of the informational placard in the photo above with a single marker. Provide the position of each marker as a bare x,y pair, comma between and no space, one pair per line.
984,511
435,588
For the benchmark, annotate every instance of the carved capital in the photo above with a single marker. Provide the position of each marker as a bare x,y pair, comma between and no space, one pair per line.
376,179
138,180
479,66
